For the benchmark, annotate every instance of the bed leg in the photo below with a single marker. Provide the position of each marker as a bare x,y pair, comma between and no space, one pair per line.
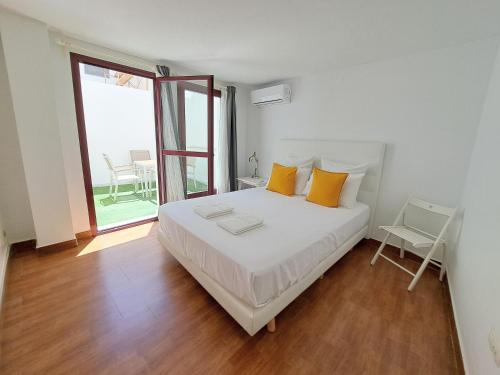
271,326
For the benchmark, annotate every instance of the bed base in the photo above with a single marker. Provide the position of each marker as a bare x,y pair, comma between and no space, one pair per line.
252,319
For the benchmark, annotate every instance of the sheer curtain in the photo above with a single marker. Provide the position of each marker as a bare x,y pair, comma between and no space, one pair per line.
221,177
175,187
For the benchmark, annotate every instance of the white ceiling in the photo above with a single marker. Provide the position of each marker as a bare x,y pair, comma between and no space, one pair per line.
260,41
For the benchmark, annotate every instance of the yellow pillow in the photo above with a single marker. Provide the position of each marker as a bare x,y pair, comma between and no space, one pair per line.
326,187
282,179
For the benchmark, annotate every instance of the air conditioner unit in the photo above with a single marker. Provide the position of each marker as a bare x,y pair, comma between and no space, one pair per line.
271,95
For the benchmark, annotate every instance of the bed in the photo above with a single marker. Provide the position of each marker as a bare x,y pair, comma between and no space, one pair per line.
255,275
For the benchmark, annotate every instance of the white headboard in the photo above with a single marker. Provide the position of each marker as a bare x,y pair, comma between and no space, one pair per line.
354,152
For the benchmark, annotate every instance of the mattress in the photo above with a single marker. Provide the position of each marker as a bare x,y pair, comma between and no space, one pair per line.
259,265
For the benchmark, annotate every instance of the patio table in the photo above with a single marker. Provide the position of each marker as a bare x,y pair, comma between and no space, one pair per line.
147,168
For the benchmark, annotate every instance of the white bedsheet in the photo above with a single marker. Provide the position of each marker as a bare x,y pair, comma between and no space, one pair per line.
257,266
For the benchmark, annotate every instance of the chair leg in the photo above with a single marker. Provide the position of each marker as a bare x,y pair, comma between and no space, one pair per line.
402,250
148,184
422,268
443,264
116,190
143,184
379,251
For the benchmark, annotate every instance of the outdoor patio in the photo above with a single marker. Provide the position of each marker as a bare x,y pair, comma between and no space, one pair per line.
121,139
130,206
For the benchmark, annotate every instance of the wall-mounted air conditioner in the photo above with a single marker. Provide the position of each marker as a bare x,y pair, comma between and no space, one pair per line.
271,95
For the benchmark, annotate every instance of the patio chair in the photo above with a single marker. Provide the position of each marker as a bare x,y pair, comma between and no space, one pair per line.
417,237
120,174
139,155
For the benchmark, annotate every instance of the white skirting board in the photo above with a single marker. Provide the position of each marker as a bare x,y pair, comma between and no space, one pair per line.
250,318
3,273
457,326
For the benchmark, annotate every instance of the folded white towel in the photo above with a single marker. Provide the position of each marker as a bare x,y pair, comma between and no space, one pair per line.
240,223
209,211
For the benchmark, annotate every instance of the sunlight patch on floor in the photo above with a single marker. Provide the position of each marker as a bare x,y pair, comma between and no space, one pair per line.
119,237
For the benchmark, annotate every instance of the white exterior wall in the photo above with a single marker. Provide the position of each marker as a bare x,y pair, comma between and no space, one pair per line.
117,119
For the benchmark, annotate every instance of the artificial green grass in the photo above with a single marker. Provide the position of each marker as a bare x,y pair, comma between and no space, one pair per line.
200,186
129,206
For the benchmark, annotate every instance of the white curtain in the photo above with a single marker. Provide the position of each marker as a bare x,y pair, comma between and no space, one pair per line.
173,172
221,153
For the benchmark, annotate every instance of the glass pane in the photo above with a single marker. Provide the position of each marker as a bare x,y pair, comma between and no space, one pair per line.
122,168
185,175
217,127
217,117
92,73
184,114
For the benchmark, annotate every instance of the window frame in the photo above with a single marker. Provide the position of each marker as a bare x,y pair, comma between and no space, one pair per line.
182,87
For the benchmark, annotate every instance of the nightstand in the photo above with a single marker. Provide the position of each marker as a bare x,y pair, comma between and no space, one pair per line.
251,181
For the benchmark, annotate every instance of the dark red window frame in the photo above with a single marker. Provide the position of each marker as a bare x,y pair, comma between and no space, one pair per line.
182,87
76,59
209,154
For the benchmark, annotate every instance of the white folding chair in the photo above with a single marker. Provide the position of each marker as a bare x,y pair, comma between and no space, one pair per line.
418,238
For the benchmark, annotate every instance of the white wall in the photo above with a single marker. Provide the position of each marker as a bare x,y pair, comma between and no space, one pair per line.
426,107
117,119
242,99
474,268
27,57
68,131
14,200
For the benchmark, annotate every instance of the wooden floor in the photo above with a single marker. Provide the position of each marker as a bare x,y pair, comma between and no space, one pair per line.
132,309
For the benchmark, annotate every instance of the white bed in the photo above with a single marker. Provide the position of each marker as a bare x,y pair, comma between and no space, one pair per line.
257,266
256,274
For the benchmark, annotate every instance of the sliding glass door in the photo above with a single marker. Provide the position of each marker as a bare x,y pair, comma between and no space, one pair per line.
185,110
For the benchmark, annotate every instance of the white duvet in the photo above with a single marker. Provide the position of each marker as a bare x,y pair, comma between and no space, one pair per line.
257,266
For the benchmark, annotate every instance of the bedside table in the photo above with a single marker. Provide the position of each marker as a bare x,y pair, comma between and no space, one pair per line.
251,181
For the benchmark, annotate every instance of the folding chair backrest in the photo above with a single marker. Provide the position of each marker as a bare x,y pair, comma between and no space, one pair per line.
435,208
446,213
139,155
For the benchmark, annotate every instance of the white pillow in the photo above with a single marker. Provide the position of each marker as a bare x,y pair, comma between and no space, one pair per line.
301,180
349,194
308,186
351,186
304,168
